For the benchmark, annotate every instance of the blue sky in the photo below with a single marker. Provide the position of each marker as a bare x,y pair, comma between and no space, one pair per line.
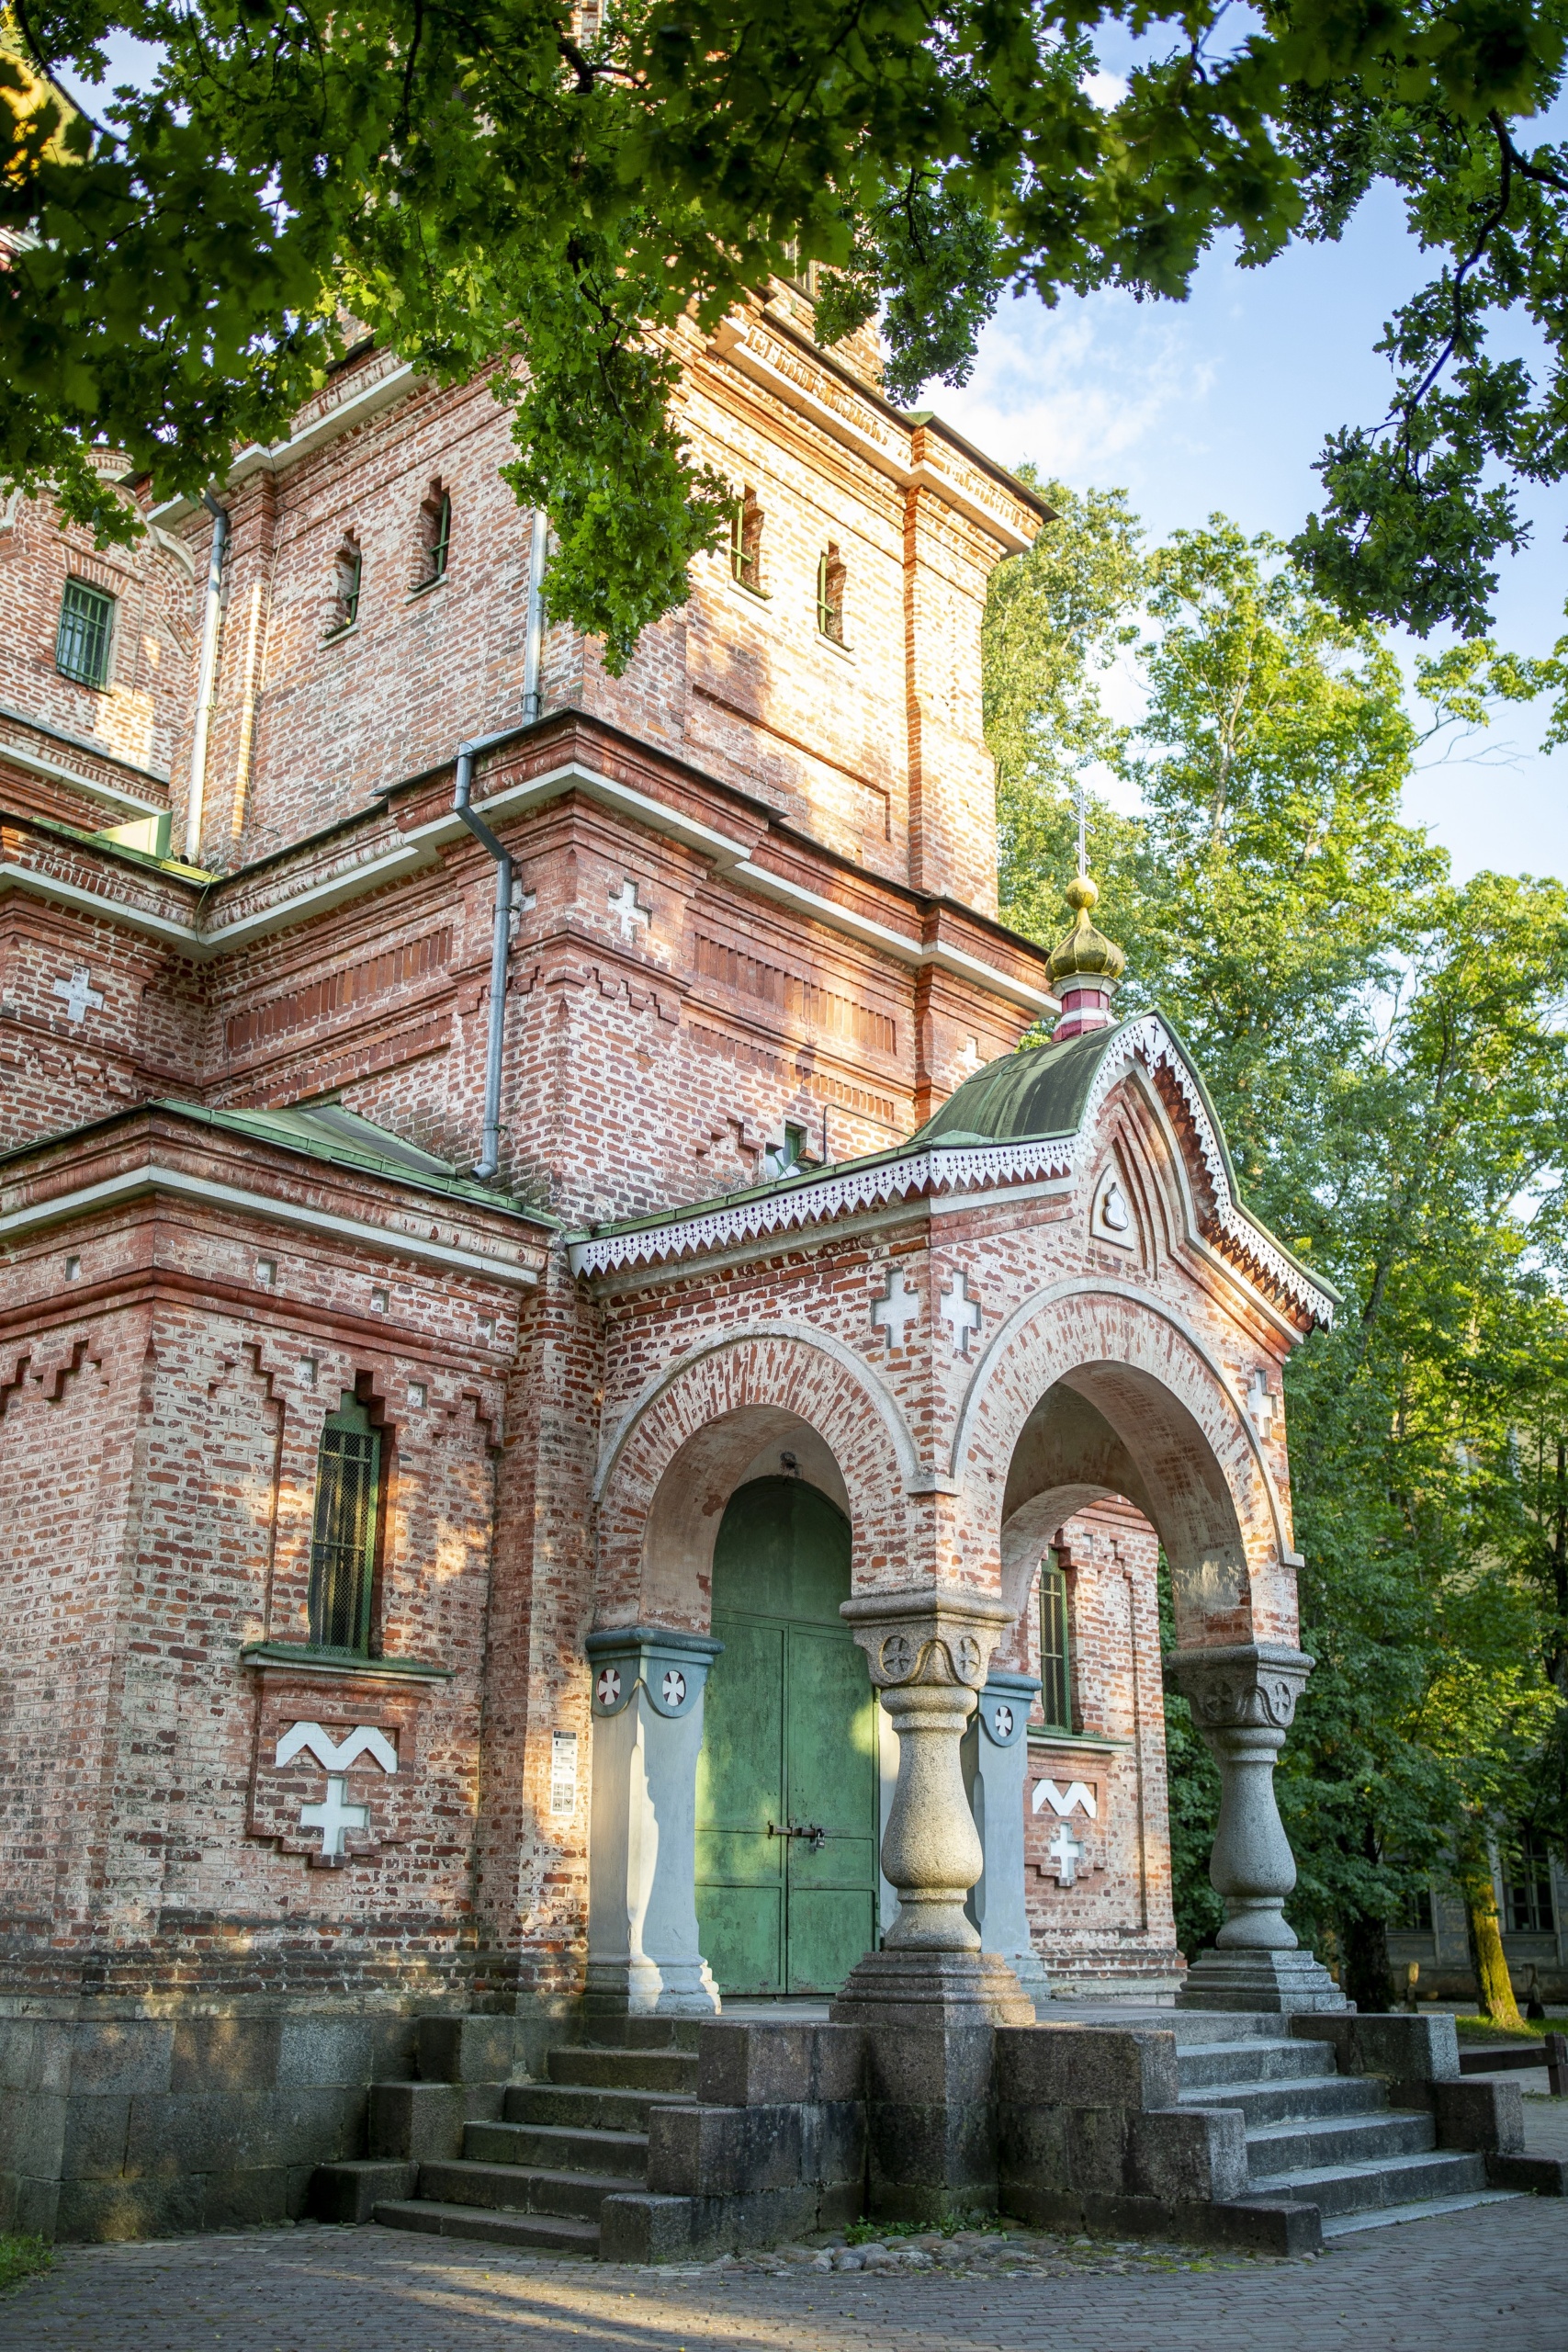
1222,402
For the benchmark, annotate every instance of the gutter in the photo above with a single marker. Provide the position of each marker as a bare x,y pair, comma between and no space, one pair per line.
211,615
488,1161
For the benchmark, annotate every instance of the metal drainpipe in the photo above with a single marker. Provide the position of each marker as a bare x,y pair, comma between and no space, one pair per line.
534,638
500,954
205,675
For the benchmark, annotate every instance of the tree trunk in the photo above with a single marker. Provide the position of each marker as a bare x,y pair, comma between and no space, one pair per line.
1494,1984
1364,1974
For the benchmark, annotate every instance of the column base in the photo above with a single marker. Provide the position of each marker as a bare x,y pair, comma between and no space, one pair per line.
1284,1983
643,1989
927,1988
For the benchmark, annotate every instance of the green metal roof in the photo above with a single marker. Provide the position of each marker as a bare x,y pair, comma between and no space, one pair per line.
1036,1095
326,1131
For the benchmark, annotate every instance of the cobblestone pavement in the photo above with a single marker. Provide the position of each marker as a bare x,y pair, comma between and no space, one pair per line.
1493,2275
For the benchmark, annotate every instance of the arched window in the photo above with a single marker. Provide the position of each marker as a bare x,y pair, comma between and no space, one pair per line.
347,573
831,595
746,541
435,537
342,1534
1056,1638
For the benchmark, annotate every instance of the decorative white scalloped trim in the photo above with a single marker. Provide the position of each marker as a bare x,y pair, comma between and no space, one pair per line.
1150,1042
966,1168
963,1169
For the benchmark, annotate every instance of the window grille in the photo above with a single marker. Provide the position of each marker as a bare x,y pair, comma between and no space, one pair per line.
81,645
1530,1908
746,541
350,573
343,1536
1055,1662
830,595
436,515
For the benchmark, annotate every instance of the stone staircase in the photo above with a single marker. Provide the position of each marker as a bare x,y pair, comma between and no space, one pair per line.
537,2174
1316,2136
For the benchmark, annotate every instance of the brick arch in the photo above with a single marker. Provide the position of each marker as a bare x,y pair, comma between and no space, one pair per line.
1177,1440
679,1454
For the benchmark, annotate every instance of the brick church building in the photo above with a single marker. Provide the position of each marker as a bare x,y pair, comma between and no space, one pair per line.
548,1339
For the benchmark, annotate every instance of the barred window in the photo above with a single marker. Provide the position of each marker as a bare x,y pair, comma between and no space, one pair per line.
746,541
831,578
1055,1661
348,572
342,1540
435,536
1530,1909
82,644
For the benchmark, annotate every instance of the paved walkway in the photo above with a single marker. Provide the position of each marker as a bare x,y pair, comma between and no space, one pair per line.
1496,2274
1492,2276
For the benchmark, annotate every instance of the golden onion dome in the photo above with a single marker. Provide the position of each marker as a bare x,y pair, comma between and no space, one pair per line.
1086,950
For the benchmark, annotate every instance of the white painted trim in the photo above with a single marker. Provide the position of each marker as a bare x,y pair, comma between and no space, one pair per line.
358,408
857,1188
1073,1286
153,1177
113,795
111,911
892,943
805,1335
320,897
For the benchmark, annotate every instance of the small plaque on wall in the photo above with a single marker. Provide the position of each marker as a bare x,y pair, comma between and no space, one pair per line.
563,1771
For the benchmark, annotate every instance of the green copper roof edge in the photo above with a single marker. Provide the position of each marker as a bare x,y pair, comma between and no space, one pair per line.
257,1125
1096,1043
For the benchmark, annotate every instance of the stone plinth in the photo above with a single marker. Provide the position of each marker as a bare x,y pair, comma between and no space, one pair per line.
1242,1699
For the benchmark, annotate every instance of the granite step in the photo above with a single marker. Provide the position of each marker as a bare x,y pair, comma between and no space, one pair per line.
1326,2145
1256,2060
1384,2184
581,2107
522,2188
1421,2209
586,2068
1309,2098
547,2233
558,2148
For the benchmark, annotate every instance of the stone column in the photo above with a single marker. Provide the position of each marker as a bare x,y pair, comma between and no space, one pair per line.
643,1956
928,1653
998,1765
1243,1701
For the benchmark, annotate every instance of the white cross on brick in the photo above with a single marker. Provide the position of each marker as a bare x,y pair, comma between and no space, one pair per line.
77,993
960,1313
333,1816
1066,1853
1259,1403
627,913
896,1308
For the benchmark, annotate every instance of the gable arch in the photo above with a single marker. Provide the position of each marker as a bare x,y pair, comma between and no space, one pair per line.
1145,1410
695,1433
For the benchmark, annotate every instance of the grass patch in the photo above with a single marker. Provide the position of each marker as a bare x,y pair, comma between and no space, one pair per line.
879,2233
1478,2028
21,2258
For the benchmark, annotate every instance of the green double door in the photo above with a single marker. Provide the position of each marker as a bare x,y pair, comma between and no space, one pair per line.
787,1782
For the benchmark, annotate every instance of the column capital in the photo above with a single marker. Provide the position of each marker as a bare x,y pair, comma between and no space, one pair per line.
1244,1685
670,1664
926,1636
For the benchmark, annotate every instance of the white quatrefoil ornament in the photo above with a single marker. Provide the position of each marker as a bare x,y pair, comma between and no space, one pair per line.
607,1690
674,1688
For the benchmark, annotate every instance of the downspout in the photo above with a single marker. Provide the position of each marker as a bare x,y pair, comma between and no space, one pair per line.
205,675
500,949
534,638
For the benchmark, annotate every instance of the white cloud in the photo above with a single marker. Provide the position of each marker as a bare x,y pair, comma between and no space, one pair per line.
1084,390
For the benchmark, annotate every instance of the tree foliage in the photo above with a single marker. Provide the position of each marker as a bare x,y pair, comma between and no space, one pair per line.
1387,1050
518,188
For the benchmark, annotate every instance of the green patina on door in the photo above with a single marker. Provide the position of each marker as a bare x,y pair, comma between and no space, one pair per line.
789,1742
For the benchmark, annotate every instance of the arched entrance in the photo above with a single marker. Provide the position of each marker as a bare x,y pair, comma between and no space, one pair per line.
787,1784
